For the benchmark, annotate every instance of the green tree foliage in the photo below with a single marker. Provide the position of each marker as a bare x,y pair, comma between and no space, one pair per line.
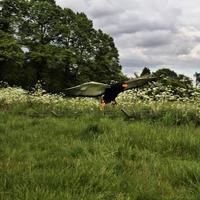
145,71
169,77
11,58
51,64
62,47
166,72
197,76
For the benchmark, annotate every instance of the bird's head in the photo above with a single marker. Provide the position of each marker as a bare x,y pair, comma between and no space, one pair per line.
125,85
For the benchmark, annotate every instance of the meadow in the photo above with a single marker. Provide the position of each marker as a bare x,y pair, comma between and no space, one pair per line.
63,148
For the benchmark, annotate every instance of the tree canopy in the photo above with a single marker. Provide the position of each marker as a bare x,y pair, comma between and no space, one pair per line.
197,76
169,77
42,41
145,71
11,58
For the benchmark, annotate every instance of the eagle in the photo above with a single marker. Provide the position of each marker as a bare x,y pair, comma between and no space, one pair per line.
107,93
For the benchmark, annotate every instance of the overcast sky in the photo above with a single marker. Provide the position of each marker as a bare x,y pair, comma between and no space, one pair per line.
152,33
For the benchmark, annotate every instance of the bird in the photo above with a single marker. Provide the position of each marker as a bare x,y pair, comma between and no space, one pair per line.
106,92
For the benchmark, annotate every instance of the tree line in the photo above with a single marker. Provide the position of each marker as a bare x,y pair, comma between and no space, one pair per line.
39,40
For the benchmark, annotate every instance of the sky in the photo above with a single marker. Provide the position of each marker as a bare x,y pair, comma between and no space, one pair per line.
148,33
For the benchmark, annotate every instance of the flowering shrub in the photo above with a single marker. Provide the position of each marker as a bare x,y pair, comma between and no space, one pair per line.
16,95
151,100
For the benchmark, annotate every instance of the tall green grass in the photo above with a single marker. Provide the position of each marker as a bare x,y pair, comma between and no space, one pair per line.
97,155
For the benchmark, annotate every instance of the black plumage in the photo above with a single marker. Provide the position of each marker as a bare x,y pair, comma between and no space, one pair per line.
112,92
108,93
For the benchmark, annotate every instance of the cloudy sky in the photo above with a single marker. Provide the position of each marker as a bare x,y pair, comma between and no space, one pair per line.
153,33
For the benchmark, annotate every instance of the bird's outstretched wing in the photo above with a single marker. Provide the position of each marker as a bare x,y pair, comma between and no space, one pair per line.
90,89
138,82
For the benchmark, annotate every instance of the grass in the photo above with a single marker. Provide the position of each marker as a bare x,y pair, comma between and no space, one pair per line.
95,155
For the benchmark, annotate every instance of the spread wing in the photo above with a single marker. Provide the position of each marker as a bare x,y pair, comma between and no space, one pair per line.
138,82
90,89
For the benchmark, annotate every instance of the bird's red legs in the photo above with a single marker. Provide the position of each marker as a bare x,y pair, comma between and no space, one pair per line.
114,103
102,104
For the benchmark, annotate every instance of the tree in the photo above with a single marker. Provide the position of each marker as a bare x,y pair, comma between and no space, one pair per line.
49,1
53,65
165,72
11,15
58,40
169,77
145,71
197,76
104,59
11,58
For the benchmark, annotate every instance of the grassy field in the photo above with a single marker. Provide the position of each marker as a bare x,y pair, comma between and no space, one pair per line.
96,155
57,148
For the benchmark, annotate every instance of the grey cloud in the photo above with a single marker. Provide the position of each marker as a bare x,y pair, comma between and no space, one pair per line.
100,13
151,33
130,22
153,42
197,39
146,39
103,8
155,39
137,26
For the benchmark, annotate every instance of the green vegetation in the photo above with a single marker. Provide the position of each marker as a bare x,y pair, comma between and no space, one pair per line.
66,148
169,77
94,156
55,148
60,48
40,41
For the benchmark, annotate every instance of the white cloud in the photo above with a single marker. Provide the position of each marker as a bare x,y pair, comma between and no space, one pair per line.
148,33
194,54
